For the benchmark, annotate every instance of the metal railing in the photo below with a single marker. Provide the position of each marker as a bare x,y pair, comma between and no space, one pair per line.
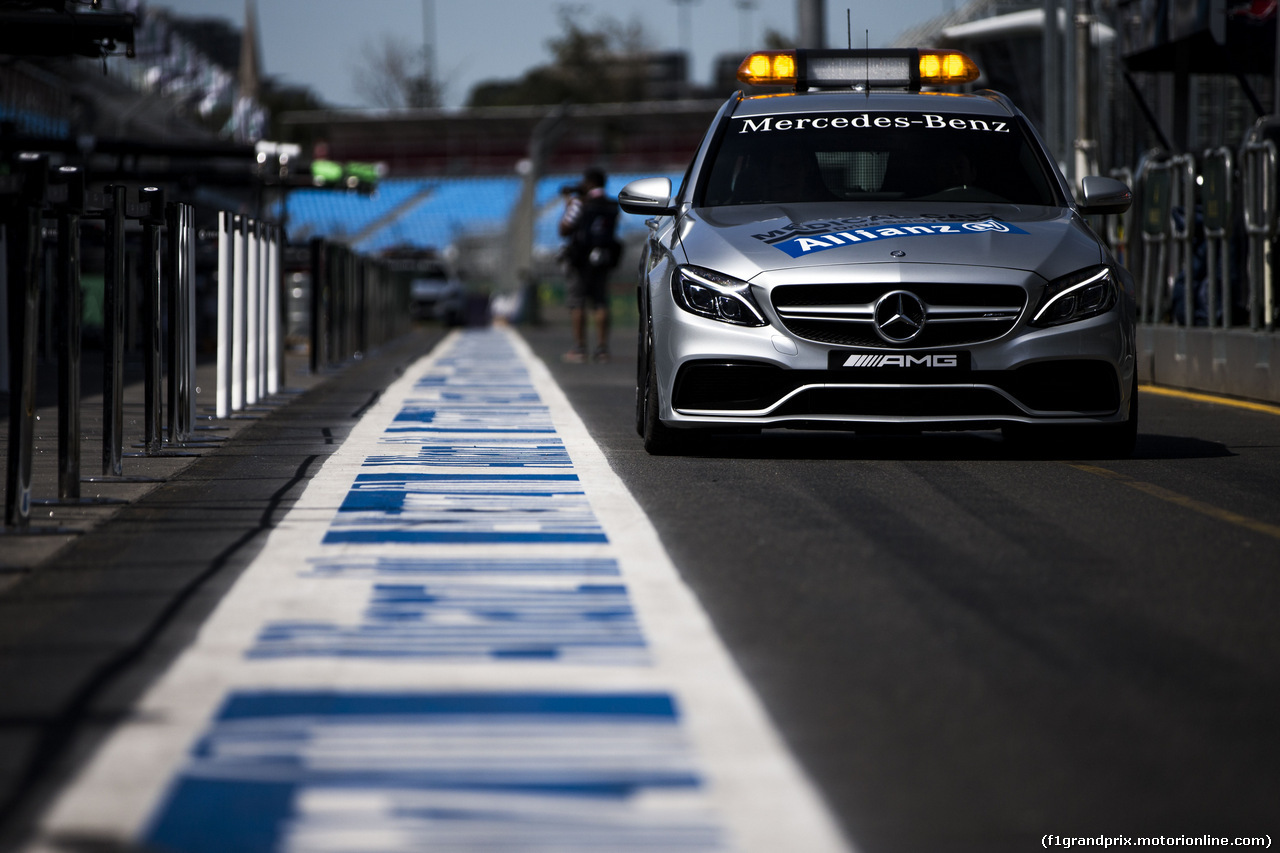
1182,221
1156,181
250,345
357,304
1258,180
30,195
1209,228
1217,194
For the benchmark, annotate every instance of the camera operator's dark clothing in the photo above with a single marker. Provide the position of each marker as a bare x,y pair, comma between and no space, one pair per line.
588,287
589,223
592,250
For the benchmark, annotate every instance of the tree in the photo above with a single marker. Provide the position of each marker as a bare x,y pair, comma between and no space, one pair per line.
393,74
590,65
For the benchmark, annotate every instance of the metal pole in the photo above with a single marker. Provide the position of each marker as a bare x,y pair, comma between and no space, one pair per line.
70,310
1183,182
264,308
1070,75
152,199
275,352
1219,212
1259,218
23,281
1051,84
319,266
223,390
811,23
189,288
113,305
251,313
237,313
175,313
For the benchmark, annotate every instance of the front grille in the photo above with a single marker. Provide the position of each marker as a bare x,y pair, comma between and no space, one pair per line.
955,314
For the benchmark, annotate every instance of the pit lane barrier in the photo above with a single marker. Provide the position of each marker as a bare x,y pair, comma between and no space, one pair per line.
1201,244
356,304
32,193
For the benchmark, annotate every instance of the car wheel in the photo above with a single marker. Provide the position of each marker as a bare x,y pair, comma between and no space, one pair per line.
642,376
1116,441
1109,441
659,440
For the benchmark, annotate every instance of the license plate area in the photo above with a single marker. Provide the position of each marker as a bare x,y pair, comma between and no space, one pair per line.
900,366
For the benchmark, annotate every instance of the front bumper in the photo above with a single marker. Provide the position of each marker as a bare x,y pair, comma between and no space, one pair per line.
713,375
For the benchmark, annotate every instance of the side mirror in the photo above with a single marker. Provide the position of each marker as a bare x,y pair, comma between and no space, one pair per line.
1104,195
647,197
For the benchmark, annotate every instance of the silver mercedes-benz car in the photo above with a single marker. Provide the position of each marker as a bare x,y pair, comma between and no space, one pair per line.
859,253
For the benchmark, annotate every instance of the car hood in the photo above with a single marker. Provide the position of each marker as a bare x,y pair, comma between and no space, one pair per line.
747,240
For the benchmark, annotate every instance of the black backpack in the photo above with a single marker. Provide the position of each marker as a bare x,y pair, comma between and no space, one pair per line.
593,243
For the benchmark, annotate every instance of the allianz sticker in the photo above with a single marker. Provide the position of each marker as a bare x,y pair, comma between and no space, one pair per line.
811,241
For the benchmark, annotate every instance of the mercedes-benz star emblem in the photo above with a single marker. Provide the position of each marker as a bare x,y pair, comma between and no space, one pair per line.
899,316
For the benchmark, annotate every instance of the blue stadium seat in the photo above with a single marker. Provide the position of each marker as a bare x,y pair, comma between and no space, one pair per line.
446,210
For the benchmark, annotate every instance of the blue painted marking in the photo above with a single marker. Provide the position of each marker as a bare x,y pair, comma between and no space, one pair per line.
468,395
461,508
585,623
432,417
459,537
491,453
391,493
546,705
480,567
402,773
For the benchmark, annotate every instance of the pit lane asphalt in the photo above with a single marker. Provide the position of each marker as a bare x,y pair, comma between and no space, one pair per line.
969,649
98,598
966,650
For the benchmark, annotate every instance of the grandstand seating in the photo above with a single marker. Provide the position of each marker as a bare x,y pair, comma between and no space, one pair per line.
435,212
33,123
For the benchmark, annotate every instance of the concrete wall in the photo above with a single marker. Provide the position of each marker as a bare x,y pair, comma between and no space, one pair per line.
1233,362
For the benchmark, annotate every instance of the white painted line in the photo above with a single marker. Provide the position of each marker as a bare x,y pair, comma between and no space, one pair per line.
457,620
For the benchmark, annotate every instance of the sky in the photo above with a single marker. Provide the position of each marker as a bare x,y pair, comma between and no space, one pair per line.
318,43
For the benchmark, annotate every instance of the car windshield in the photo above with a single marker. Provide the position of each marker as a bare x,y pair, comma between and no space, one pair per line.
875,156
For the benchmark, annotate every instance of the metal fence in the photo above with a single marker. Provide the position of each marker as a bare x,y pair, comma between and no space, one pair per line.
250,343
29,197
356,304
1207,230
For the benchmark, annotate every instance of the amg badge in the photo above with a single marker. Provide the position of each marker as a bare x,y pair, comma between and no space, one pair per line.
902,360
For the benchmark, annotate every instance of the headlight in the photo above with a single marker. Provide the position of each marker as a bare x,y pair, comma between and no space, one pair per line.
719,297
1082,294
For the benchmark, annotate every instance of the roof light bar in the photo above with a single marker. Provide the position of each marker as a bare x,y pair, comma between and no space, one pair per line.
769,68
890,69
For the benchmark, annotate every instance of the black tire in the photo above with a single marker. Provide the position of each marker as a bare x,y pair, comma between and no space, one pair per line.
659,440
1108,441
642,373
1116,441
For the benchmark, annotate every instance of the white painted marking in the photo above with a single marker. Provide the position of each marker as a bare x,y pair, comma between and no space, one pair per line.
709,773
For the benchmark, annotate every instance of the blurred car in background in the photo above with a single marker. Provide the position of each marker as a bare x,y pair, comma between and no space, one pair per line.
435,294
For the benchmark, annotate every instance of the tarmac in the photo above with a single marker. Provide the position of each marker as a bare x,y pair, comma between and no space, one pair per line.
98,595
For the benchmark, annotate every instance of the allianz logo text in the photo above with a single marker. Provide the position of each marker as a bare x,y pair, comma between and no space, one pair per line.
810,243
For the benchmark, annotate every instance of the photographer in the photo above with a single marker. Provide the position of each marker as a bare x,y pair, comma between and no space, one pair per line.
589,221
